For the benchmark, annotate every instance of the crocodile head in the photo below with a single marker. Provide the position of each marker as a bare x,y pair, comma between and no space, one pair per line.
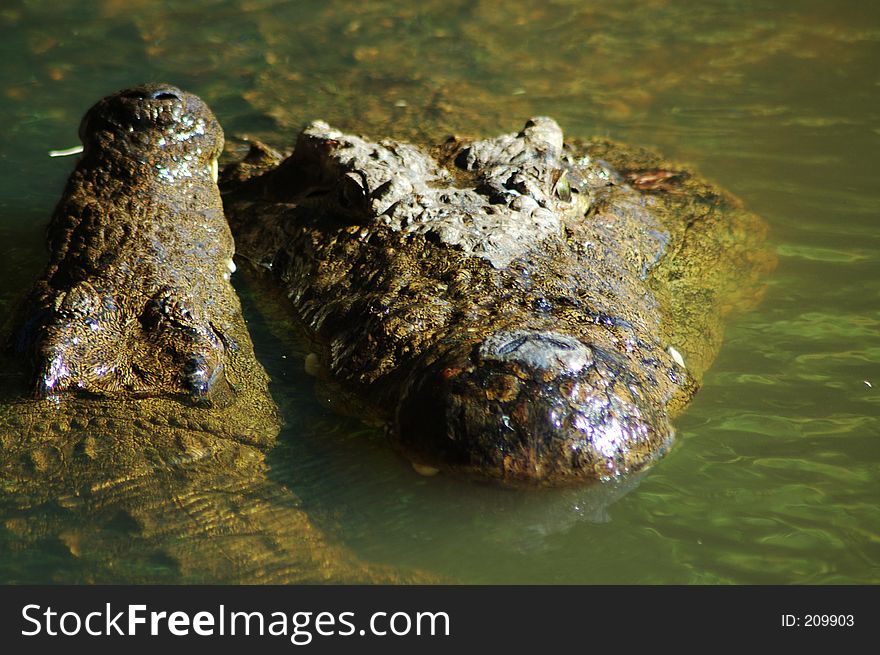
511,306
136,299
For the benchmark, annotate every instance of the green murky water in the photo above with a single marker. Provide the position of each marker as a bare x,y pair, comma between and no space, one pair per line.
776,475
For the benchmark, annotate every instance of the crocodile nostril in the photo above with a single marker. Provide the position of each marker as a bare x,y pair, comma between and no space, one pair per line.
153,93
164,95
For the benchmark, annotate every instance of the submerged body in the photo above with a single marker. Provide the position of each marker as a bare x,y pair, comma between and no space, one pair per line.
514,308
144,457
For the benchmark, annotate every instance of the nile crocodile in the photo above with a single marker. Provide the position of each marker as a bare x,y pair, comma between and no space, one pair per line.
517,308
133,439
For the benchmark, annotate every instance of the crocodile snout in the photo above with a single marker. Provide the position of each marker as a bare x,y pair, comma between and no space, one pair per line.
136,300
531,407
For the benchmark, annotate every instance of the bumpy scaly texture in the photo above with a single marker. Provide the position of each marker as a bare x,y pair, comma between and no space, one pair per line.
136,299
512,307
131,481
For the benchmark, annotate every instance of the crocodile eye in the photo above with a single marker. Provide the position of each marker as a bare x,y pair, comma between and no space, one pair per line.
351,194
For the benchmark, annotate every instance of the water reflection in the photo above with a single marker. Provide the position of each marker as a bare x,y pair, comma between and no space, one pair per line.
523,521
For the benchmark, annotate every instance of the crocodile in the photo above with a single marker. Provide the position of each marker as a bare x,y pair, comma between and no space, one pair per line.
520,309
135,420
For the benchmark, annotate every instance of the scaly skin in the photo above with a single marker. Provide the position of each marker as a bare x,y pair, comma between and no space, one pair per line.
512,309
136,298
144,459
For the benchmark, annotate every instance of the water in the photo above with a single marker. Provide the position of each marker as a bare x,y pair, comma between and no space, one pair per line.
775,476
